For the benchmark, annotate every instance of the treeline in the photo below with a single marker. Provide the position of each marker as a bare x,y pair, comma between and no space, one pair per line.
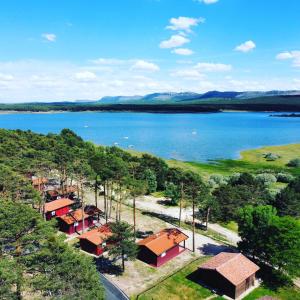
277,104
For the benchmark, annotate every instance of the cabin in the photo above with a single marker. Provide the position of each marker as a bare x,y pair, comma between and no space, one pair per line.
95,241
56,193
39,183
161,247
73,221
57,208
231,274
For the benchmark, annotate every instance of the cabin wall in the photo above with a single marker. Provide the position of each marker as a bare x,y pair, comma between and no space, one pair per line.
59,212
70,228
87,246
245,285
169,255
215,280
147,256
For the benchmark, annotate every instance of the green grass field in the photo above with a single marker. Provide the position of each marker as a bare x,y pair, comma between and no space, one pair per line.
179,287
287,293
251,161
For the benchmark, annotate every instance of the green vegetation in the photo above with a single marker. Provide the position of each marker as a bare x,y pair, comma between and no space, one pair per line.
270,239
285,293
33,259
179,286
231,225
251,161
272,103
123,242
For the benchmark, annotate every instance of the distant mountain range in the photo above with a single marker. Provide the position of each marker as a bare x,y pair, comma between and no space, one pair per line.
167,98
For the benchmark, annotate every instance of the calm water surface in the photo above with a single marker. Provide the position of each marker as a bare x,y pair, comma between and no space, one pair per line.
189,137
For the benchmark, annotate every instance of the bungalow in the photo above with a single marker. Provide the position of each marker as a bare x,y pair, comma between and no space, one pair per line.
72,222
57,208
231,273
39,183
94,241
161,247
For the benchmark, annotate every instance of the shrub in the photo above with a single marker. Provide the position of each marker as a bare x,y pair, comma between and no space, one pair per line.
284,177
266,178
294,163
271,156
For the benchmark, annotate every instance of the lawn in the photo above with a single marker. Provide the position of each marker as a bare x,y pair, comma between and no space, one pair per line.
287,293
178,286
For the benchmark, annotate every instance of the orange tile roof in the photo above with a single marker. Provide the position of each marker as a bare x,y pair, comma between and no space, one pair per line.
164,240
98,235
235,267
56,204
38,181
73,217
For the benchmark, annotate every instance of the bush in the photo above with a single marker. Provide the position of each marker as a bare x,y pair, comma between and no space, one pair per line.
266,178
294,163
216,180
284,177
271,156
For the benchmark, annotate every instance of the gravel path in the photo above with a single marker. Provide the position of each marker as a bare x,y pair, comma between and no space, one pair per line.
150,203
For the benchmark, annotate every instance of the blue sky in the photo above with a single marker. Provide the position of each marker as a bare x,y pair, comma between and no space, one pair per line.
85,49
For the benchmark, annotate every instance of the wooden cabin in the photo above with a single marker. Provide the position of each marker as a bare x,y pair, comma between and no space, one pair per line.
230,273
161,247
95,241
73,221
57,208
39,183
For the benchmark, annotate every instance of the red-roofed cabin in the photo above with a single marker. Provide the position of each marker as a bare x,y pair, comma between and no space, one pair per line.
230,273
161,247
94,241
72,222
39,183
57,208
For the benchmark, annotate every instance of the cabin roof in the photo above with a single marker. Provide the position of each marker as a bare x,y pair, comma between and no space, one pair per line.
163,240
98,235
38,181
73,217
235,267
57,204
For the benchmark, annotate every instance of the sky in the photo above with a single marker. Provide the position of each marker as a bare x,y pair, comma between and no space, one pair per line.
62,50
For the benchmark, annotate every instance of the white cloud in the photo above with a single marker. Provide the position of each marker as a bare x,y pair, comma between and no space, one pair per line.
50,37
293,55
85,76
175,41
183,51
184,23
142,65
190,74
246,47
208,1
213,67
108,61
6,77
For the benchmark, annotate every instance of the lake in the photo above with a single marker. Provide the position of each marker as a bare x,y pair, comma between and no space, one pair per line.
188,137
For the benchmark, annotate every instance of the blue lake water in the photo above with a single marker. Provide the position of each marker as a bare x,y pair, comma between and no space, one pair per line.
188,137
